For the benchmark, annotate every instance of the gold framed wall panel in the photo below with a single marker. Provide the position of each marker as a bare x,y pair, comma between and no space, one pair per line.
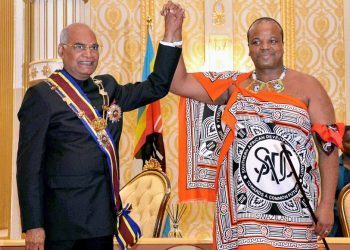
28,42
6,105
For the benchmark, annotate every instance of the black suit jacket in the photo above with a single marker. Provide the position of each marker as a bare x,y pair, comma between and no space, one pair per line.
62,175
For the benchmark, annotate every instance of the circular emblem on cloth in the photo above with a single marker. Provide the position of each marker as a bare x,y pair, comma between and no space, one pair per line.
223,209
309,233
228,233
287,233
264,230
240,230
265,170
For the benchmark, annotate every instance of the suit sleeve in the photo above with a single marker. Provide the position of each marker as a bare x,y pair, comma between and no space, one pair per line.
157,85
34,119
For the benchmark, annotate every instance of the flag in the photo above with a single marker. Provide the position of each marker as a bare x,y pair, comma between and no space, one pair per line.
166,230
149,138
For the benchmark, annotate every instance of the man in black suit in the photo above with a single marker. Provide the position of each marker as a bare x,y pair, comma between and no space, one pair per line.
63,178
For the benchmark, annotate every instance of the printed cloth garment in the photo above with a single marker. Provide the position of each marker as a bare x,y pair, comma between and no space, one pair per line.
200,139
258,203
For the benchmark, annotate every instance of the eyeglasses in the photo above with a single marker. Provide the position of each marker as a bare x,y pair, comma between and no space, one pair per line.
79,47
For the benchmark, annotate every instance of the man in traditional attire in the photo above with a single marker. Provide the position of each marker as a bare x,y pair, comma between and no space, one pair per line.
258,202
70,126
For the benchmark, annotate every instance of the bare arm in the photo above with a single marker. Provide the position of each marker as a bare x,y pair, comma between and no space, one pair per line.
185,84
321,111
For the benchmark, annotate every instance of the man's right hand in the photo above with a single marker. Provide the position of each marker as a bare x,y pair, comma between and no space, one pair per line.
35,239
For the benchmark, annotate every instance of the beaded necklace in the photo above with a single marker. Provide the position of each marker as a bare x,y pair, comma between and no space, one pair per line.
276,85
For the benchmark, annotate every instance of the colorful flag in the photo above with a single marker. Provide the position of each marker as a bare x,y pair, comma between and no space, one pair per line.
166,230
149,138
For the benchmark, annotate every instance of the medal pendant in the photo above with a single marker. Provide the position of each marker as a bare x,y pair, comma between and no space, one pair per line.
114,113
99,124
102,138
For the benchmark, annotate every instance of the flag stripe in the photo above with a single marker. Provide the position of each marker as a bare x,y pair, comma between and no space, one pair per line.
148,139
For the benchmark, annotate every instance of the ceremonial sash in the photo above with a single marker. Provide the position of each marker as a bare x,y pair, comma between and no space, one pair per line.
127,232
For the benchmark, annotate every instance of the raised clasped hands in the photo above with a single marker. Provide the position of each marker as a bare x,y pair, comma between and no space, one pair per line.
174,15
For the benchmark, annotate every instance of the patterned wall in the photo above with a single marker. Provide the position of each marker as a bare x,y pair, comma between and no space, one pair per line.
120,27
320,49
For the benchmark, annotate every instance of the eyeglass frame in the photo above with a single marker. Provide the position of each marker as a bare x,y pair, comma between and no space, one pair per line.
84,47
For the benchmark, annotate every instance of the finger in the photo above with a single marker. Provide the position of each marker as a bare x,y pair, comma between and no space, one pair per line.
322,236
180,13
318,228
30,246
166,8
173,8
41,246
324,232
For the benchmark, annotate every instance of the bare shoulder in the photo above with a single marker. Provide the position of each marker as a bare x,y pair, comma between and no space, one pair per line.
319,104
305,86
306,80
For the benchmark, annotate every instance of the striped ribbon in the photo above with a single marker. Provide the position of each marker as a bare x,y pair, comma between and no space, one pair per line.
127,231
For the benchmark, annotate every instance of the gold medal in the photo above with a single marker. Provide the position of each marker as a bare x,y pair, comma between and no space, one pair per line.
99,124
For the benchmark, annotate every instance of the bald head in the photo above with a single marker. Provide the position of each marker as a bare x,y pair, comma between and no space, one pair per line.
72,28
264,19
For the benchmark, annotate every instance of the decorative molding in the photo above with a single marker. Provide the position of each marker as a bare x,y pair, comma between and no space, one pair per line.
41,69
218,13
218,35
147,19
347,58
55,31
288,25
7,42
152,164
28,40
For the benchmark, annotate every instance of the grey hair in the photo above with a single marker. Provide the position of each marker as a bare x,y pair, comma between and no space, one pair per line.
65,32
64,35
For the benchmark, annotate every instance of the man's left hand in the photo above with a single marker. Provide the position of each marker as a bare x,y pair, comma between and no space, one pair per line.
325,216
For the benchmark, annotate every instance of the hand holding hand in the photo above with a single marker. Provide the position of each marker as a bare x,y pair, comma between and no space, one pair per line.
35,239
174,15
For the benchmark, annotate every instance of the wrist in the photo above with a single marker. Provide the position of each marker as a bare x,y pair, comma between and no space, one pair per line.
326,203
172,36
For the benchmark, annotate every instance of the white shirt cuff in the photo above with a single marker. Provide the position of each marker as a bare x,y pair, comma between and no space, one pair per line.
173,44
